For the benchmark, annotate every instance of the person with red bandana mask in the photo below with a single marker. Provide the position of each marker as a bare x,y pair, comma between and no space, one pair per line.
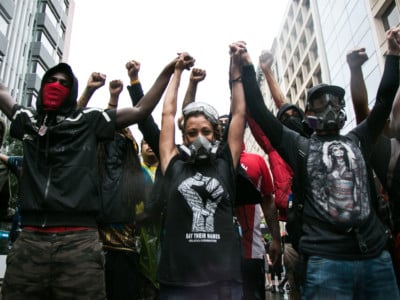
59,189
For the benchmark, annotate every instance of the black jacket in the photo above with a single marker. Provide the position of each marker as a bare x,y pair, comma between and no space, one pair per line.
59,185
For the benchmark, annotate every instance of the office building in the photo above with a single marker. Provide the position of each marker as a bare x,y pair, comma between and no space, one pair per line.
34,36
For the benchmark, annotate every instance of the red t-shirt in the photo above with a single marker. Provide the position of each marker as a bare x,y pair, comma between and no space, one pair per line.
249,215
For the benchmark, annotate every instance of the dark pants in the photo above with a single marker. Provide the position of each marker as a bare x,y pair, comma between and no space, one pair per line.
225,290
46,266
122,275
253,275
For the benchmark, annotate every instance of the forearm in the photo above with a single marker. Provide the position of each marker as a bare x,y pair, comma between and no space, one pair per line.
148,128
271,217
237,123
385,96
167,134
85,97
151,134
271,127
274,88
135,93
113,102
148,102
359,94
6,101
190,95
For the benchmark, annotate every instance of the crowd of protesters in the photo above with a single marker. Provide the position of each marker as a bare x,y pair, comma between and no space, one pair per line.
100,217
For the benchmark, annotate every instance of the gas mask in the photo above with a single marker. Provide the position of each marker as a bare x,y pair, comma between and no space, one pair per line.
328,112
201,150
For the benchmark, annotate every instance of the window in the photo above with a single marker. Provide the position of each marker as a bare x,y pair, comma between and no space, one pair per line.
51,16
39,70
3,25
391,17
47,44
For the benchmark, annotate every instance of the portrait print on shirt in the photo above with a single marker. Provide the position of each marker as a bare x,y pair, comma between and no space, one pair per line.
202,194
338,181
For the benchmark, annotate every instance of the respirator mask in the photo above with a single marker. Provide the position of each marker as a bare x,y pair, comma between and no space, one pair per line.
328,112
201,150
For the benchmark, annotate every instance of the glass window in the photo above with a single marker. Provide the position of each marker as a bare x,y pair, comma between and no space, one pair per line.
3,25
391,17
372,83
357,16
51,16
46,43
40,71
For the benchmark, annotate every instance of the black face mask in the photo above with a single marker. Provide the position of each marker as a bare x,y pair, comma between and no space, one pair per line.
296,124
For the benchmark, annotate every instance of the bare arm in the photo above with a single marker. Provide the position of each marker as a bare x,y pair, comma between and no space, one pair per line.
271,217
96,80
115,89
6,101
196,76
266,58
131,115
355,59
238,104
167,135
4,159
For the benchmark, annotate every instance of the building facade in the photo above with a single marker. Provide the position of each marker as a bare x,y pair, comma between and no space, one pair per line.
34,36
313,40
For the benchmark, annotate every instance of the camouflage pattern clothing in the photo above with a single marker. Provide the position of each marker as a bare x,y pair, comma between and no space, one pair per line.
62,265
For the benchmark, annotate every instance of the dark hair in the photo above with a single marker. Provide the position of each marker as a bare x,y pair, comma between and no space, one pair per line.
132,180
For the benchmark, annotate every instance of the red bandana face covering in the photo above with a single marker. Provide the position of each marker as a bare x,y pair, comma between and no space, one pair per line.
53,95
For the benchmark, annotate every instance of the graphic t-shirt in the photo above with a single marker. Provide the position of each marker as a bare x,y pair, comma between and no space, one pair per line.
199,243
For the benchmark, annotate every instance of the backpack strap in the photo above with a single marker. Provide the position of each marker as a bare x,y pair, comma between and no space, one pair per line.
394,161
301,174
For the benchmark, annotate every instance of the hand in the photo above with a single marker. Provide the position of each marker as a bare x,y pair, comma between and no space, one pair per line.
356,58
197,75
266,59
184,61
96,80
393,37
115,88
237,52
133,68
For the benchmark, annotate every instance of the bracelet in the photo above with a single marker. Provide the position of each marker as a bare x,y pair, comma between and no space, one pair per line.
136,81
238,79
112,105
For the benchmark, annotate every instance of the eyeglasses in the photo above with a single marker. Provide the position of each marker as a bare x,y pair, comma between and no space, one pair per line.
318,104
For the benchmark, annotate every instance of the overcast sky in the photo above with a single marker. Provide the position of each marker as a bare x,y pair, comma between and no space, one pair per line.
106,34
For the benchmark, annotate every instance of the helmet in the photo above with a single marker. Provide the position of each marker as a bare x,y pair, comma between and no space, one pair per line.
201,107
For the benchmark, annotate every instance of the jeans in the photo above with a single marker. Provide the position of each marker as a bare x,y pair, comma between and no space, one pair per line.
350,279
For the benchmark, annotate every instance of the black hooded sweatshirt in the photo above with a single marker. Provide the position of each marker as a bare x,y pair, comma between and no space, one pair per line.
59,185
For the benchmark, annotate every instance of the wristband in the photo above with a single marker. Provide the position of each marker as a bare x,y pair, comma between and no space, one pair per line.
136,81
238,79
112,105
